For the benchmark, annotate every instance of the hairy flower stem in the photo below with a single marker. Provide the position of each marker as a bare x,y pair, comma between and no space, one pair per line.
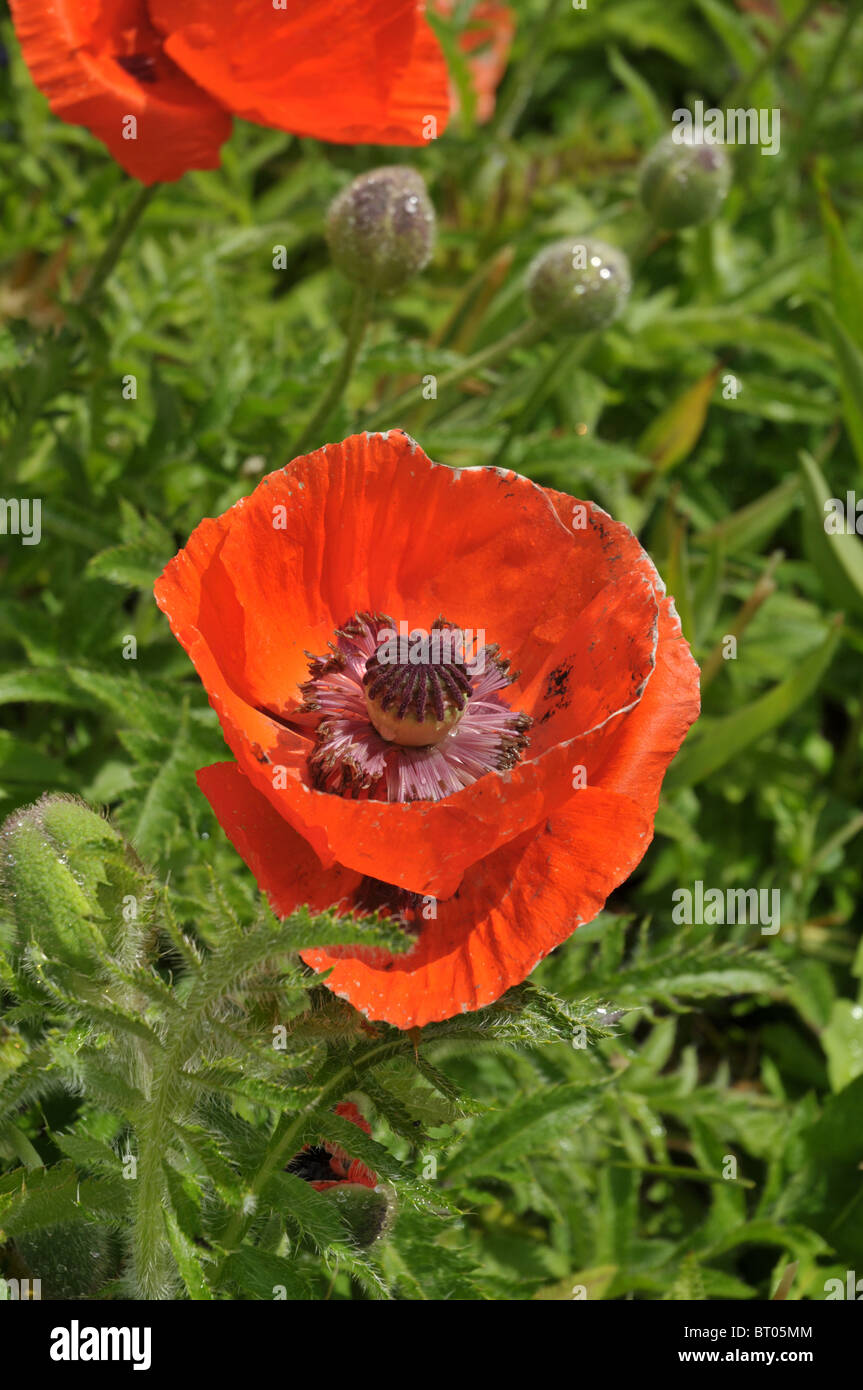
153,1263
124,228
357,325
528,332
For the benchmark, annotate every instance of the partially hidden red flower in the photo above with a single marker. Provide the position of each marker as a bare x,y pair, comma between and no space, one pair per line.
486,41
371,71
327,1165
490,794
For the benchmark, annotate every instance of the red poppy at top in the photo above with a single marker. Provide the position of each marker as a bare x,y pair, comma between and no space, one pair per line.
159,80
487,779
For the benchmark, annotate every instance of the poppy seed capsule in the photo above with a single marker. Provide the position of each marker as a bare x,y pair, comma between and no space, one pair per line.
381,228
581,285
416,705
684,184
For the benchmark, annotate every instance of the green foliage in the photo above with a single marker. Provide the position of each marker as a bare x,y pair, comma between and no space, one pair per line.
583,1133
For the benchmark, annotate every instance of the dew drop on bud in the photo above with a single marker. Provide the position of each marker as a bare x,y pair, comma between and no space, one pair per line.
577,284
381,228
683,184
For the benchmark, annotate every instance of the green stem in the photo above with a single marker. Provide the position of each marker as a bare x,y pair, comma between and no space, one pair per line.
517,94
153,1262
819,91
527,332
124,228
357,325
836,841
671,1170
773,54
762,591
568,355
643,244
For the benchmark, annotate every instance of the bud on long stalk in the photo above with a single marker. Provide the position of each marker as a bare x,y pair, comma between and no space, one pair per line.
684,184
578,285
70,883
381,228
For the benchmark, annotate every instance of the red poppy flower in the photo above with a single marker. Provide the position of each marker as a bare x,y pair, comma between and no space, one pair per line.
486,40
490,780
327,1165
370,71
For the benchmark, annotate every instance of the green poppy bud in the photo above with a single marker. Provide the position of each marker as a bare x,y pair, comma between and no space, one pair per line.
684,184
578,284
381,228
69,1260
69,881
366,1211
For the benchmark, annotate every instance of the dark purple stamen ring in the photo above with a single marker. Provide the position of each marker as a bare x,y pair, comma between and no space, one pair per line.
401,684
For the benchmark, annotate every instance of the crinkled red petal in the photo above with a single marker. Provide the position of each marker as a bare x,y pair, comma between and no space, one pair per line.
373,524
513,907
371,71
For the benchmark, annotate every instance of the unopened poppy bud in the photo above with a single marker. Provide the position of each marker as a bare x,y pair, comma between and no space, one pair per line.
381,228
64,870
70,1260
366,1211
580,285
684,184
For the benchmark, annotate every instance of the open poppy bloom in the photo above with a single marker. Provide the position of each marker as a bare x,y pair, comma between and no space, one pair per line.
486,41
158,80
327,1165
452,696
